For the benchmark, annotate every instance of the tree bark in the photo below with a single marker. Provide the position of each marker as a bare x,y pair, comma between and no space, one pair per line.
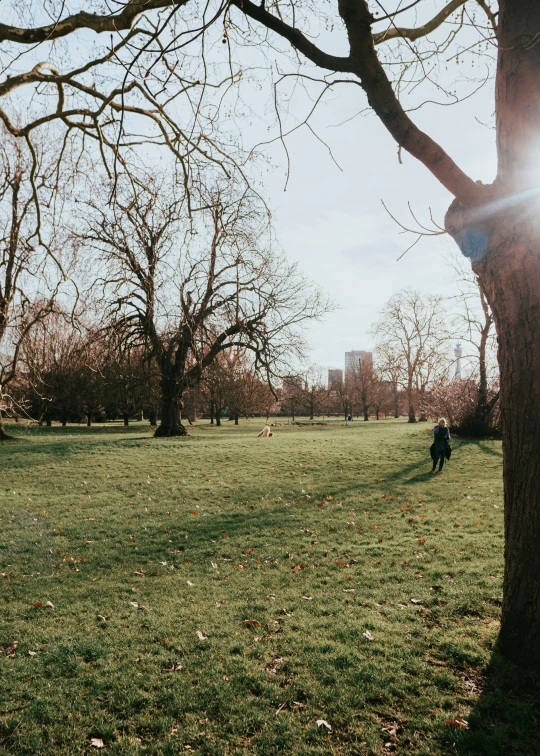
171,409
126,419
412,413
89,420
510,275
236,419
152,416
366,412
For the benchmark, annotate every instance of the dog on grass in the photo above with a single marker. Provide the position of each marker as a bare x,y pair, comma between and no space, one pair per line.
266,432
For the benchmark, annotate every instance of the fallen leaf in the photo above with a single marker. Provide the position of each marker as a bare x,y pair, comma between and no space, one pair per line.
97,743
307,598
324,723
49,605
190,583
135,604
195,512
32,653
37,604
201,636
140,573
461,724
368,635
252,623
416,601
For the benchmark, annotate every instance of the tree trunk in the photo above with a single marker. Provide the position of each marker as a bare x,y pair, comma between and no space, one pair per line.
366,412
126,419
506,257
64,423
412,413
171,409
236,419
212,412
49,422
510,275
152,416
89,420
3,435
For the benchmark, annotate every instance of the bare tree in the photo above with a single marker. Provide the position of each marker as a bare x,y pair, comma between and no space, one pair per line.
474,326
388,365
192,288
28,271
411,328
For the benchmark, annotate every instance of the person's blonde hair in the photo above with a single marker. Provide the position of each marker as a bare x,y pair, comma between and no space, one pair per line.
442,420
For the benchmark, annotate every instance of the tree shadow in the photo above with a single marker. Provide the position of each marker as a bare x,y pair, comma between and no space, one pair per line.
505,720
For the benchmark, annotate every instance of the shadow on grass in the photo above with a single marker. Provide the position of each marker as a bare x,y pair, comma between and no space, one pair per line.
506,718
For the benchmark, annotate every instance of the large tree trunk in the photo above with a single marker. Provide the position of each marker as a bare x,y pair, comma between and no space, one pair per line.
510,274
171,409
503,240
152,416
366,412
126,419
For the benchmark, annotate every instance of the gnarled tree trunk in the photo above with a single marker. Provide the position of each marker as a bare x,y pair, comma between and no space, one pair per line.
171,409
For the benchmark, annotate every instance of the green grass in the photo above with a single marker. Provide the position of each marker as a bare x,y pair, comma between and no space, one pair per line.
319,534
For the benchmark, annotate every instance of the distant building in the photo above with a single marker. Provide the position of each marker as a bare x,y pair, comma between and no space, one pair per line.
458,351
353,360
335,379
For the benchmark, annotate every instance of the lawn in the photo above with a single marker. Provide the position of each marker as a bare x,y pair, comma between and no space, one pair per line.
222,594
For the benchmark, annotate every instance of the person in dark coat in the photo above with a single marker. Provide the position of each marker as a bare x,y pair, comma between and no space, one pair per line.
440,444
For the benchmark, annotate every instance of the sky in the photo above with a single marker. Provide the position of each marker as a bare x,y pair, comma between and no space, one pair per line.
333,224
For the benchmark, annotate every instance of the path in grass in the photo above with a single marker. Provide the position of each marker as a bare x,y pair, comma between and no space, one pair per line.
371,591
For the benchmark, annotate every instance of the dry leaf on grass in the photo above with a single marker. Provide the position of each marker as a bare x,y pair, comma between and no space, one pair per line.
97,743
10,650
201,636
416,601
368,635
461,724
324,723
49,605
252,623
32,653
190,583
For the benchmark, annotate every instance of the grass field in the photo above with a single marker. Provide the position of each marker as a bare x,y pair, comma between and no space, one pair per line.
222,593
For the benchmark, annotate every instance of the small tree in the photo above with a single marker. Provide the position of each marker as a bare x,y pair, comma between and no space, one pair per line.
411,329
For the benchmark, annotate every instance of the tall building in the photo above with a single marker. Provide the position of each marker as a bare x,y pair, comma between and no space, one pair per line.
335,378
353,360
458,351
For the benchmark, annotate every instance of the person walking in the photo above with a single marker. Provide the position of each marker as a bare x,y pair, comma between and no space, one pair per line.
441,444
349,420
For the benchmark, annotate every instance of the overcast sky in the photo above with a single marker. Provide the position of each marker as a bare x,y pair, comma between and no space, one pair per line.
333,223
